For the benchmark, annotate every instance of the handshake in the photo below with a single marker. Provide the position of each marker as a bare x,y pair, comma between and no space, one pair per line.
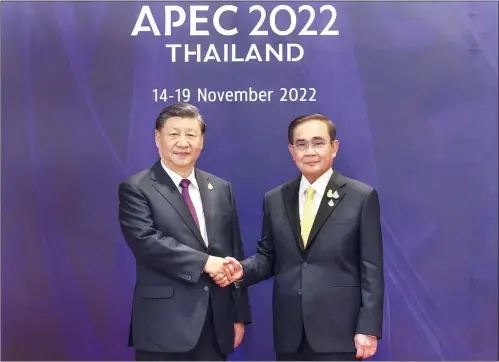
223,271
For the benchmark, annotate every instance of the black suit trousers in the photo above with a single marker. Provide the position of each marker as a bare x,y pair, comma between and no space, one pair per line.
206,349
306,353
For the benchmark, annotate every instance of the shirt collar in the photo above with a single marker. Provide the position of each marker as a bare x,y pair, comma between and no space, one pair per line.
319,185
176,178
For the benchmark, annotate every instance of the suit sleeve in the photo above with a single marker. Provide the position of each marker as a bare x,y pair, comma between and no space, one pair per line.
371,268
149,245
260,266
240,293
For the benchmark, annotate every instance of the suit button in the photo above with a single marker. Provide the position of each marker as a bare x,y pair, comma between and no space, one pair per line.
206,288
305,264
299,292
188,277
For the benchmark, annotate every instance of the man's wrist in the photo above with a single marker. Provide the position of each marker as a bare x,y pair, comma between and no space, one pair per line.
367,335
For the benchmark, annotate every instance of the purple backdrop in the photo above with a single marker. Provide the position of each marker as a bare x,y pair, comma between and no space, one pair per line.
412,88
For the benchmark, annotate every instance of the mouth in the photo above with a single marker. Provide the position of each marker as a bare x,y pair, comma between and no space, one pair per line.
311,163
182,154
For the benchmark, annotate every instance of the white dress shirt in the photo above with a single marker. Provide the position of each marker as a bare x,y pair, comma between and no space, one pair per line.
195,197
319,187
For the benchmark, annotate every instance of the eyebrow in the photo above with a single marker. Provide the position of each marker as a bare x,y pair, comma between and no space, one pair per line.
313,139
179,129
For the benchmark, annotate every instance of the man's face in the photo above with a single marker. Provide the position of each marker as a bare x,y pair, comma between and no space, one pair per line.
312,149
179,143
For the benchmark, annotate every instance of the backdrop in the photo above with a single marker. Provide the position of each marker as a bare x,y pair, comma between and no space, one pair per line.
412,88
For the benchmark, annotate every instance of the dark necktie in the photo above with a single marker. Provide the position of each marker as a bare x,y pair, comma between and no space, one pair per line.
185,194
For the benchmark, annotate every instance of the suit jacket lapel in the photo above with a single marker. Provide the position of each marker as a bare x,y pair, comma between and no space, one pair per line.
290,197
208,198
165,186
328,204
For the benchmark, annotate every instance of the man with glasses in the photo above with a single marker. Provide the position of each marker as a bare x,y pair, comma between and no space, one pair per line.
322,243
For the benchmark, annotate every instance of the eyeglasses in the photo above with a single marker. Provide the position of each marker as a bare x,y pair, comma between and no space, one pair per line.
316,144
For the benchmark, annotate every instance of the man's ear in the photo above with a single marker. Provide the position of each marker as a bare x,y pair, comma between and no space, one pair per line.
336,146
292,151
157,135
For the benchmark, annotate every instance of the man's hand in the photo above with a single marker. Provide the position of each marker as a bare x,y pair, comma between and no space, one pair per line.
366,345
238,334
215,265
219,268
237,272
233,271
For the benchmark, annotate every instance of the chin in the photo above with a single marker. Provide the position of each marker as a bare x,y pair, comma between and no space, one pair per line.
312,169
183,161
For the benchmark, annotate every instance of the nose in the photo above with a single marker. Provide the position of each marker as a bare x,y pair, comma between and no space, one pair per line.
182,141
310,150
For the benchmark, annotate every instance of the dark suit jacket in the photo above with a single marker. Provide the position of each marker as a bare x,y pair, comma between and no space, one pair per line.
172,293
334,288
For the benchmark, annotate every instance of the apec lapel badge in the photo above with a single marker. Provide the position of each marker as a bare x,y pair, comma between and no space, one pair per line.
332,195
210,186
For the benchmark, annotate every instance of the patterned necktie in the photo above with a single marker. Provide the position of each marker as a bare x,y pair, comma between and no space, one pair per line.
308,216
185,194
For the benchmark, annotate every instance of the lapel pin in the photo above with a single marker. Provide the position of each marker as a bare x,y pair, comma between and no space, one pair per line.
335,195
331,203
210,186
329,193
